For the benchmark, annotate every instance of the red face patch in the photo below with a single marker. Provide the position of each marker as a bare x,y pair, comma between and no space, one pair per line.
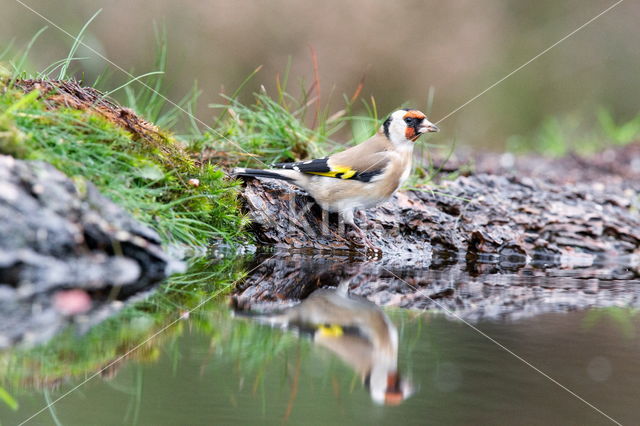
414,113
410,133
412,118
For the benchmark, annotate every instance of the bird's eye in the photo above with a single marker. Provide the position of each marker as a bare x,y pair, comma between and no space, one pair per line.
408,120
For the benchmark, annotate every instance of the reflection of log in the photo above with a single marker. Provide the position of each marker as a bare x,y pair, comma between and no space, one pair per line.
472,290
515,217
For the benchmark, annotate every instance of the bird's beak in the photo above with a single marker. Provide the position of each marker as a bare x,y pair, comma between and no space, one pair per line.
427,127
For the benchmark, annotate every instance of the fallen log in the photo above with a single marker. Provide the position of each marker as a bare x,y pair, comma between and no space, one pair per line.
522,218
67,253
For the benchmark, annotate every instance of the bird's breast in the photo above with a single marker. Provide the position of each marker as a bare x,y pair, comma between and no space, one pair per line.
344,194
395,175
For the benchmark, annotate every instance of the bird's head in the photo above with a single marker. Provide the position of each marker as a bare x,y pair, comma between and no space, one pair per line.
389,388
405,126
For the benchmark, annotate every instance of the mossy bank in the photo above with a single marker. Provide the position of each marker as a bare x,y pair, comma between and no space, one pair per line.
145,169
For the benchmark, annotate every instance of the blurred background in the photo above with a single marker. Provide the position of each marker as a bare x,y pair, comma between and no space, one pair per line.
405,50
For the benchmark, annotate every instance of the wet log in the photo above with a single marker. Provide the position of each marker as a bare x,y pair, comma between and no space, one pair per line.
520,218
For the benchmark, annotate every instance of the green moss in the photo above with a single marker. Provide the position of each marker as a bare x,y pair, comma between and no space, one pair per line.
153,177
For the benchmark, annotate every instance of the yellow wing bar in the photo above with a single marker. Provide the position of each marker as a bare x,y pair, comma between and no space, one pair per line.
332,330
342,172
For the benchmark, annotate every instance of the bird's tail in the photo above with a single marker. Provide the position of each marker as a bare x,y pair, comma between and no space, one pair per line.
275,174
241,308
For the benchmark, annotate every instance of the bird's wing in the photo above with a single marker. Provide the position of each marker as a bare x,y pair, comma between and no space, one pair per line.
362,162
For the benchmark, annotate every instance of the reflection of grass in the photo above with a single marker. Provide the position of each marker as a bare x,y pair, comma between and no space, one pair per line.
247,346
70,356
253,350
8,399
624,319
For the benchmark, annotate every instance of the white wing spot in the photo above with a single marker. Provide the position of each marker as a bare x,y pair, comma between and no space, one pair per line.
296,168
308,162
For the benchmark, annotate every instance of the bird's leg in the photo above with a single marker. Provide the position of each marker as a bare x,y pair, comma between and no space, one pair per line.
325,228
348,219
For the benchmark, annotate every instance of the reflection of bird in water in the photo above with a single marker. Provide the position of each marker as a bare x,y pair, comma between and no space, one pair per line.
353,328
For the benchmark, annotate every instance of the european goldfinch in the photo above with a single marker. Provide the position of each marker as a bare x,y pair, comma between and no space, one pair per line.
362,176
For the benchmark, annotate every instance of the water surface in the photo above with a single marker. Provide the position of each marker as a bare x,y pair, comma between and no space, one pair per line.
214,368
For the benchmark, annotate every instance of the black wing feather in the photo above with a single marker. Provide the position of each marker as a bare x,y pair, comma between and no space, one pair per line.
319,165
366,176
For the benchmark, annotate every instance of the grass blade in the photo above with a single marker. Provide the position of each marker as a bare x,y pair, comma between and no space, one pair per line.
74,47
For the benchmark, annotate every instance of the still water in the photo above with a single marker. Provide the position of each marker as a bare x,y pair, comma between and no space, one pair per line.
214,367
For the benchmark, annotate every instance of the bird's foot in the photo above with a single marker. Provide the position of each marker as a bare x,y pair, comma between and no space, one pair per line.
339,237
362,214
371,250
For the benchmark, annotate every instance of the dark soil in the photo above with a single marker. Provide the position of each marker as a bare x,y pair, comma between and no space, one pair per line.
616,167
